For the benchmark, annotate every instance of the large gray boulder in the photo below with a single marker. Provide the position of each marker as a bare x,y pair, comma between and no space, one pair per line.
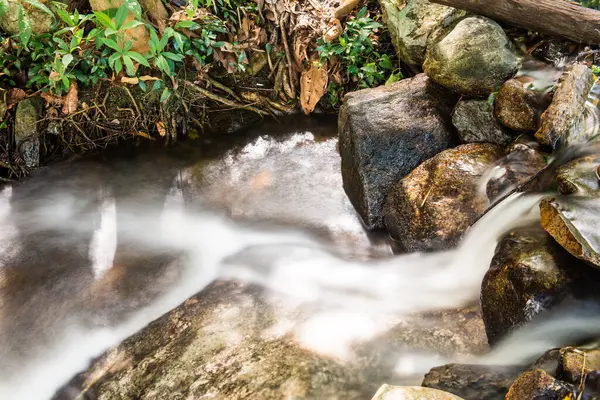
473,57
411,23
385,133
433,206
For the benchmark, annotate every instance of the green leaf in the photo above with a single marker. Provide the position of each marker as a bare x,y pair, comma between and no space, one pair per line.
112,44
184,24
112,59
157,85
65,16
135,8
138,58
121,15
39,6
128,45
132,24
118,66
143,86
24,27
3,7
67,59
104,19
129,67
172,56
361,13
165,95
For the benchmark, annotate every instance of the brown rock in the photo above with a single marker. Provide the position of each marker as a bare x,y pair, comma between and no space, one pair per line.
435,204
388,392
517,107
529,274
573,222
578,176
563,120
385,133
537,384
574,361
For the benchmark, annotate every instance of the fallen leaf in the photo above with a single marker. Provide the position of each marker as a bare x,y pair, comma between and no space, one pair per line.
84,105
14,96
345,7
142,134
148,78
334,31
52,100
162,130
313,85
130,81
71,100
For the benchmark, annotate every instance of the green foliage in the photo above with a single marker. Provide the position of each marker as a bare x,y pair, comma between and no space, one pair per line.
590,3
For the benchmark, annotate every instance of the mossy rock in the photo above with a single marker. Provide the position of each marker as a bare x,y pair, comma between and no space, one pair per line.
40,21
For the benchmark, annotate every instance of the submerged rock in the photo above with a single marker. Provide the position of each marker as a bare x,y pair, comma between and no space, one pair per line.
411,23
435,204
388,392
26,133
538,384
523,161
518,107
472,58
573,222
578,176
473,382
474,120
385,133
563,121
529,274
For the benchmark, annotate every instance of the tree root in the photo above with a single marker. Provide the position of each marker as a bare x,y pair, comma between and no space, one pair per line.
288,55
233,104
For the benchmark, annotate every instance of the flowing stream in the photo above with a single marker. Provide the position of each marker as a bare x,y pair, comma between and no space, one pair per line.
92,251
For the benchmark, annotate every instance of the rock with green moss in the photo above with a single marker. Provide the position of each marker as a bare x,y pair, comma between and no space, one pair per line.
529,274
388,392
411,23
434,205
39,21
564,122
472,57
474,120
26,132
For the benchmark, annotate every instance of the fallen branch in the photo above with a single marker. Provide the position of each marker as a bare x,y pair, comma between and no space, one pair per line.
222,100
551,17
288,55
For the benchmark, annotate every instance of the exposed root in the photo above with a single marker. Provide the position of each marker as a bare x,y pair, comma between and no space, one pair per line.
215,97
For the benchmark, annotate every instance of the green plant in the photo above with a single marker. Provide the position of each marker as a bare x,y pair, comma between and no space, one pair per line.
357,49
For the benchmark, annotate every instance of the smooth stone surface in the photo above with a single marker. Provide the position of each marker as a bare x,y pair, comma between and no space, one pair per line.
528,275
564,120
573,222
411,24
517,107
578,176
433,206
537,384
473,57
26,133
388,392
385,133
475,122
473,382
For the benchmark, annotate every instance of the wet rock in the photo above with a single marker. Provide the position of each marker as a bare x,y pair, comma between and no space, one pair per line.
556,50
435,204
388,392
563,121
523,161
411,23
517,107
385,133
578,176
26,133
472,58
40,21
574,361
537,384
474,120
548,362
473,382
573,222
528,275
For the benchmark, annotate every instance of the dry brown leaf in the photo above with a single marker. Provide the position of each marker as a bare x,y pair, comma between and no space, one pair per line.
313,85
145,78
345,7
52,100
130,81
142,134
334,31
14,96
71,100
157,12
161,128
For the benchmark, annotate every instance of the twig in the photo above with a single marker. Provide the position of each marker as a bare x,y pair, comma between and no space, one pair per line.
83,133
224,88
223,100
133,101
287,53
